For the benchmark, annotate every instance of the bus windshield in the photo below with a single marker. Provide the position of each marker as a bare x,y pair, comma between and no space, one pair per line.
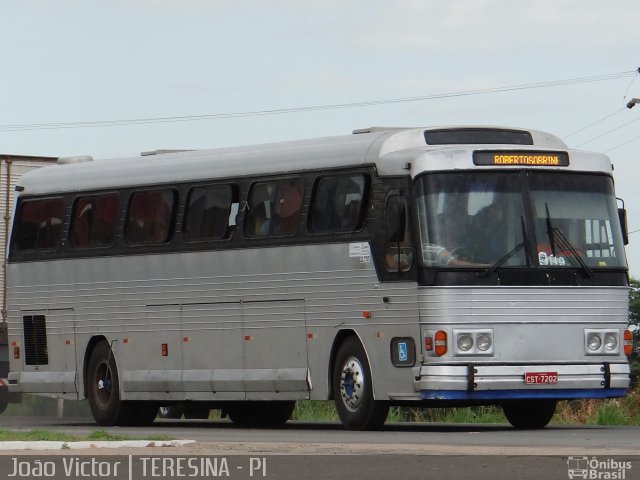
480,220
576,215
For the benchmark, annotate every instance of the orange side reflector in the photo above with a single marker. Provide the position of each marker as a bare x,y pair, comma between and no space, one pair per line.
367,314
440,342
165,350
248,338
428,344
628,342
125,340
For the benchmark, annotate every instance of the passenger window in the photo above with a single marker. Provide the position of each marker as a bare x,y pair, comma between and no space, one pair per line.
274,208
399,247
39,224
150,217
208,213
338,204
94,221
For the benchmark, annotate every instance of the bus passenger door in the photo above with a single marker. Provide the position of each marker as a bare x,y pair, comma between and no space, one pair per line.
397,319
275,349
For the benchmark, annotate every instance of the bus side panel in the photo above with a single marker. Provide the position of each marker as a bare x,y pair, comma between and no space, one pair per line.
214,325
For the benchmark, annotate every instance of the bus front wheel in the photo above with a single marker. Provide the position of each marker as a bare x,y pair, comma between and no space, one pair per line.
353,389
529,414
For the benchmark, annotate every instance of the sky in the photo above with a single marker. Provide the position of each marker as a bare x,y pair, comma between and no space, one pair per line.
71,61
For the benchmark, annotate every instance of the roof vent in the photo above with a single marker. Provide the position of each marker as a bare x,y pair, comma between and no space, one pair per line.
378,129
78,159
161,152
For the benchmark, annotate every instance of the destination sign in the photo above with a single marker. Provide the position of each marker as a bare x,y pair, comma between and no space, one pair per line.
527,159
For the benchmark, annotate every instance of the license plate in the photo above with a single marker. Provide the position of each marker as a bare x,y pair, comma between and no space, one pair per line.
536,378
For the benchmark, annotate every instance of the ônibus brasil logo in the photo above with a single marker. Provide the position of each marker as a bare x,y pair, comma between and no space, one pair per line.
592,468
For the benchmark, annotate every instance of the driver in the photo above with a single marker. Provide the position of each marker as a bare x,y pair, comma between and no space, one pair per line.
438,256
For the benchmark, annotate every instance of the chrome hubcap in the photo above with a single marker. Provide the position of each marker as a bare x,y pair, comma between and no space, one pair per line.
352,383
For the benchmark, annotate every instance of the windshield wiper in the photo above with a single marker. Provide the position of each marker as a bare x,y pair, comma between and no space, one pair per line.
557,237
512,252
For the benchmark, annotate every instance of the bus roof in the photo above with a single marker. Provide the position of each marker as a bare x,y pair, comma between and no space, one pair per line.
389,149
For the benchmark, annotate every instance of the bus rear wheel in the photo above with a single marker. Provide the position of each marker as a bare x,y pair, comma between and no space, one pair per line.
103,389
353,389
260,414
529,414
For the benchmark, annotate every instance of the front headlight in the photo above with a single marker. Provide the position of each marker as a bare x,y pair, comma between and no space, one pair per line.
610,342
465,342
483,342
473,341
594,342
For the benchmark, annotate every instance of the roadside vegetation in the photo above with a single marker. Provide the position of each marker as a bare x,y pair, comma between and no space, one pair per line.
47,435
622,411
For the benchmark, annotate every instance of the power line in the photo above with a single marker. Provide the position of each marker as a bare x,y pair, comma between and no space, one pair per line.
596,122
608,132
630,83
629,105
280,111
623,144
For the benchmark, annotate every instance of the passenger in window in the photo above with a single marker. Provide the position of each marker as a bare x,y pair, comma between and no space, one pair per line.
289,208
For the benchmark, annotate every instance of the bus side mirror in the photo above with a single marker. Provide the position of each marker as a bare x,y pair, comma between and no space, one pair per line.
622,214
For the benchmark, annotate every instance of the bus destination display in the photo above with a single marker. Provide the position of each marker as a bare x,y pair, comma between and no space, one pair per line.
528,159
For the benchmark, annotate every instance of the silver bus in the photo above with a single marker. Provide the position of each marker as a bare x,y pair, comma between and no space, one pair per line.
426,267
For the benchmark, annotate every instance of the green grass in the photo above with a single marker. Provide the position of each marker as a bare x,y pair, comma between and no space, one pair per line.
46,435
37,435
103,435
315,411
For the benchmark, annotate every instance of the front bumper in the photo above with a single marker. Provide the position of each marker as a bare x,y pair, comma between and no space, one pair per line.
505,382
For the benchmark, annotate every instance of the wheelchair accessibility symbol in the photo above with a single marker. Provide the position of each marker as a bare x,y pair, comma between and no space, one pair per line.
403,352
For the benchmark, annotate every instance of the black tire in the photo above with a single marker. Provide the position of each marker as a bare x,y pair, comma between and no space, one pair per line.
260,414
353,389
529,414
171,411
197,411
103,389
